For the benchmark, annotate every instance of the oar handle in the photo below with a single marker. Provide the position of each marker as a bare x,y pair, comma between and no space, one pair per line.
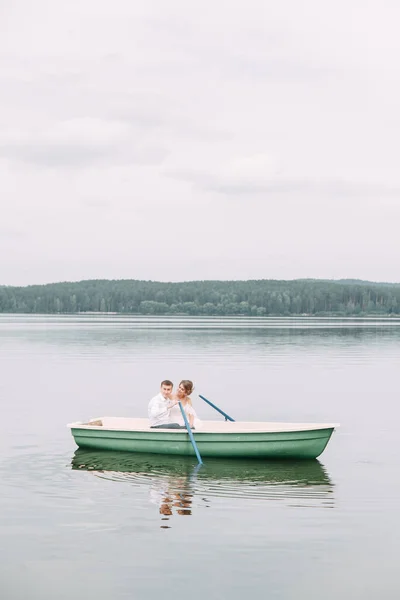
227,417
191,436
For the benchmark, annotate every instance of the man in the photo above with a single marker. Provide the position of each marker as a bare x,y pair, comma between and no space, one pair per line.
160,406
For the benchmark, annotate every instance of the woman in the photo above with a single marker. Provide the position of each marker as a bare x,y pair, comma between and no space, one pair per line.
182,395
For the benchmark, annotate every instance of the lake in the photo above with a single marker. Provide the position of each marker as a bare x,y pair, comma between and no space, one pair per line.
81,524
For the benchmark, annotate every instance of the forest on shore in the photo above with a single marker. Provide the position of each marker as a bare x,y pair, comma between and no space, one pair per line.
251,298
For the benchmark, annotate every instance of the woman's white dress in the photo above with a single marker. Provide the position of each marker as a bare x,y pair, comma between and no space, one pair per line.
175,415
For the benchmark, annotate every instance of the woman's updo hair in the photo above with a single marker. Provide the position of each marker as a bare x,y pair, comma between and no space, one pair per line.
187,386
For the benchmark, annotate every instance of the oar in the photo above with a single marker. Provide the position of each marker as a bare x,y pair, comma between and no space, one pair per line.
195,448
227,417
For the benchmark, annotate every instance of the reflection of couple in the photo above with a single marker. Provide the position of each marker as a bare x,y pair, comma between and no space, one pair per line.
172,493
164,410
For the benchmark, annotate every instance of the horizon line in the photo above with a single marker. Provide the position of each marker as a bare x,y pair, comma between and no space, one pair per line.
304,279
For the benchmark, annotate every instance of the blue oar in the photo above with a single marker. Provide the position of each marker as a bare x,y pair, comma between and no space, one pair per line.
227,417
195,448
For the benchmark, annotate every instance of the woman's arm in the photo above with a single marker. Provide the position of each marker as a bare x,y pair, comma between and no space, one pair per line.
173,401
190,414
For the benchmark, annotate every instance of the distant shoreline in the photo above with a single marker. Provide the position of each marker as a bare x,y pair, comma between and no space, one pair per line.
204,281
251,298
271,317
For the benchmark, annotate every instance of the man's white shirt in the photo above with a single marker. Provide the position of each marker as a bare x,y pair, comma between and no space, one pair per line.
159,409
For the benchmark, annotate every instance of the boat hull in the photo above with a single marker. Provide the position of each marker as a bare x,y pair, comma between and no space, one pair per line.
303,444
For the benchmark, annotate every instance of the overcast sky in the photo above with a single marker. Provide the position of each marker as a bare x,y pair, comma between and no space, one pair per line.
177,140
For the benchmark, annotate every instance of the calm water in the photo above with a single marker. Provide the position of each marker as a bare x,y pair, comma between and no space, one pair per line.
81,524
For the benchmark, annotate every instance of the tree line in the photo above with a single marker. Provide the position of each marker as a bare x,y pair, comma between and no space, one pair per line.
250,298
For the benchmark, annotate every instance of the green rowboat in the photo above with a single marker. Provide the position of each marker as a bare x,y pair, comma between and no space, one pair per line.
237,439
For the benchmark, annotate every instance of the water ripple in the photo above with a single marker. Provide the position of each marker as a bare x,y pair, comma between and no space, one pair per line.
172,478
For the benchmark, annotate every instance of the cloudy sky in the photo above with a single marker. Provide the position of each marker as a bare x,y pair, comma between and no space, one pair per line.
177,140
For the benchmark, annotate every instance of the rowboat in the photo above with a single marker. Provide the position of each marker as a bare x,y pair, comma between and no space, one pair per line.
230,439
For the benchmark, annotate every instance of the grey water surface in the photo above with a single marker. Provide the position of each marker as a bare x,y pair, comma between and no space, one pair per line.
84,524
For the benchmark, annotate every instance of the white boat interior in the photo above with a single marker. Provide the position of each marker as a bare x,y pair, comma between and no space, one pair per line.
142,424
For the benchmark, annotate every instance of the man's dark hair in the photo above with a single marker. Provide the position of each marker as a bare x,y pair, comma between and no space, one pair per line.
167,382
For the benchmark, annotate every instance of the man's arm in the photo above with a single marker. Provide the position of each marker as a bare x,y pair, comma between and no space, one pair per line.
158,408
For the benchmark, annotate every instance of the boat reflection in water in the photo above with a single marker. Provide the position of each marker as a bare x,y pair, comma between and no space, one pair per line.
176,485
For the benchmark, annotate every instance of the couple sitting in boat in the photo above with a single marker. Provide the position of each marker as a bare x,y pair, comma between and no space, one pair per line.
164,410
